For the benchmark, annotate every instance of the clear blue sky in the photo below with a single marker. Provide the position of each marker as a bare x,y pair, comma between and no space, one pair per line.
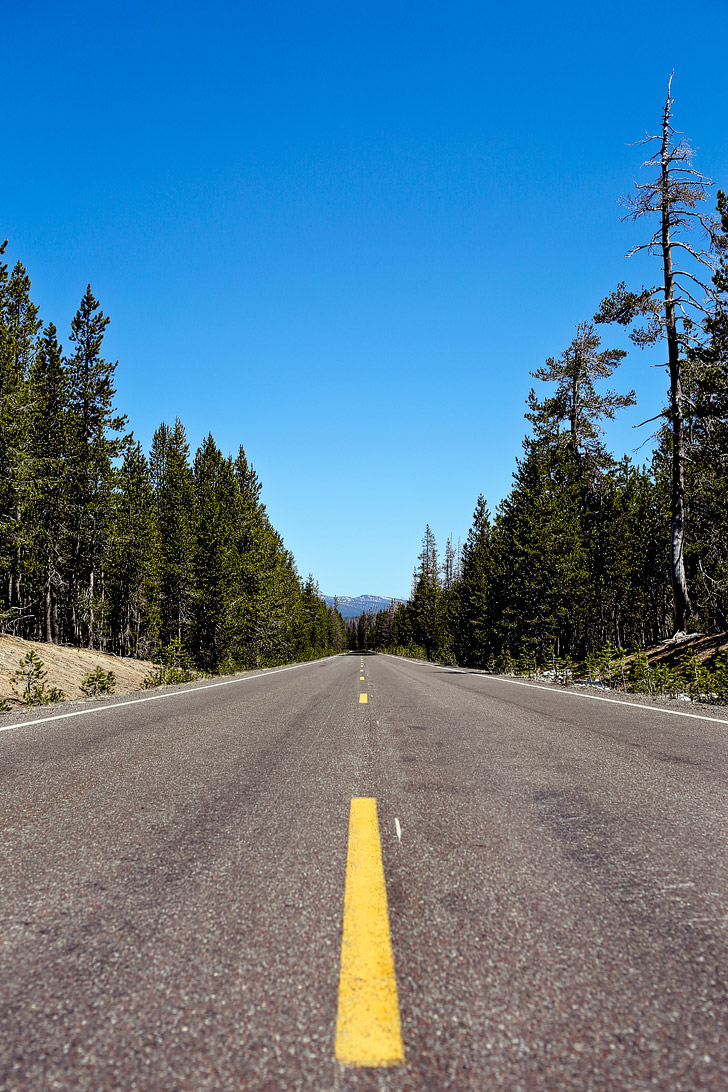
342,234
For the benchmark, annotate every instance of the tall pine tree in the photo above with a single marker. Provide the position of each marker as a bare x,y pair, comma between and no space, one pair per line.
95,440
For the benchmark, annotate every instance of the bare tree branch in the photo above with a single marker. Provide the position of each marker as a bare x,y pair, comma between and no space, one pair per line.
662,413
700,256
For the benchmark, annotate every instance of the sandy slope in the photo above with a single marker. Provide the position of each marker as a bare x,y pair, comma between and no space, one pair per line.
66,667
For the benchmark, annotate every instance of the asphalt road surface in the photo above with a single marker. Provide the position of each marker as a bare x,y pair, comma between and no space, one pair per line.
173,876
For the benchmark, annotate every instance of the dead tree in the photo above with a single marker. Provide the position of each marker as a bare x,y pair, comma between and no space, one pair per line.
673,310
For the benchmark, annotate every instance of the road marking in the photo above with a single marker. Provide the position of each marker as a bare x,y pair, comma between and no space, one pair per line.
398,828
368,1031
154,697
361,678
596,697
362,699
545,688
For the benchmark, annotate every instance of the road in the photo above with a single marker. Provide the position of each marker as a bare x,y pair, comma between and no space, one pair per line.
173,876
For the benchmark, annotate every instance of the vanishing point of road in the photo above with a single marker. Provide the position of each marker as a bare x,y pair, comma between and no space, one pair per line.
531,886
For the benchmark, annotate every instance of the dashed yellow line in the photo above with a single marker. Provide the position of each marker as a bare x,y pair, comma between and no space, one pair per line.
368,1031
363,699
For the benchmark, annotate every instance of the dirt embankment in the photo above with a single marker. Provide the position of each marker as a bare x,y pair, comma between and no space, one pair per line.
67,667
706,646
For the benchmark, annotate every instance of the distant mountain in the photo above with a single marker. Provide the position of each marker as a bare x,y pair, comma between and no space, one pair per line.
361,604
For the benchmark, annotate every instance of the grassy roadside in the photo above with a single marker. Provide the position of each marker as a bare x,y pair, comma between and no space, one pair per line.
60,673
688,666
66,668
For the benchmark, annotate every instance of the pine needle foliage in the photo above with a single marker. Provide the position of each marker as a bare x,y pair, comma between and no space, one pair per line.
169,556
29,682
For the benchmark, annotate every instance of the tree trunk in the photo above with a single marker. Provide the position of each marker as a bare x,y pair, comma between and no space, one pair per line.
54,615
47,612
91,610
103,645
680,598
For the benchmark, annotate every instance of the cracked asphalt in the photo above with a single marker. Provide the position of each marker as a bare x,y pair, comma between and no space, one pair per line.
173,876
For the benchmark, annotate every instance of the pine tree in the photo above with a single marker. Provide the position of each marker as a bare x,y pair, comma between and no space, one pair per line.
575,401
541,577
48,444
313,639
426,605
94,441
336,629
474,639
19,326
217,563
256,614
401,634
266,616
134,560
174,496
705,383
632,605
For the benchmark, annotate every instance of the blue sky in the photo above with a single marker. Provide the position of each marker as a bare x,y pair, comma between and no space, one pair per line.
342,234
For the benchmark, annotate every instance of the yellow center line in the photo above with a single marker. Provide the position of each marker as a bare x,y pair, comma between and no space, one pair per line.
363,699
368,1031
361,678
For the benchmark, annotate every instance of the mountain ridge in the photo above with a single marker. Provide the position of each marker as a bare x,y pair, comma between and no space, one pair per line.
351,606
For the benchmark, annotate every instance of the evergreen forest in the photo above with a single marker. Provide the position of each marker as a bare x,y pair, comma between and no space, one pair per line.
171,555
588,552
168,555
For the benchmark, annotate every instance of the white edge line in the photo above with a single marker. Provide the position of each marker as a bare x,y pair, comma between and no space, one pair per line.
596,697
153,697
575,693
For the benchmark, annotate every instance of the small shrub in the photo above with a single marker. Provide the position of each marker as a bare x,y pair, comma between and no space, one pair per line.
667,681
28,682
719,679
410,652
606,662
177,666
532,665
98,682
565,670
640,674
29,678
175,675
153,678
591,668
522,664
445,656
229,666
504,663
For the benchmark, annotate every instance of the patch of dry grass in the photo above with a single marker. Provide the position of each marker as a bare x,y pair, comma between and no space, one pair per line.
67,667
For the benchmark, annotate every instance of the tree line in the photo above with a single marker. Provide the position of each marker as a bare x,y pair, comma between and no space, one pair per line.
167,555
586,551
